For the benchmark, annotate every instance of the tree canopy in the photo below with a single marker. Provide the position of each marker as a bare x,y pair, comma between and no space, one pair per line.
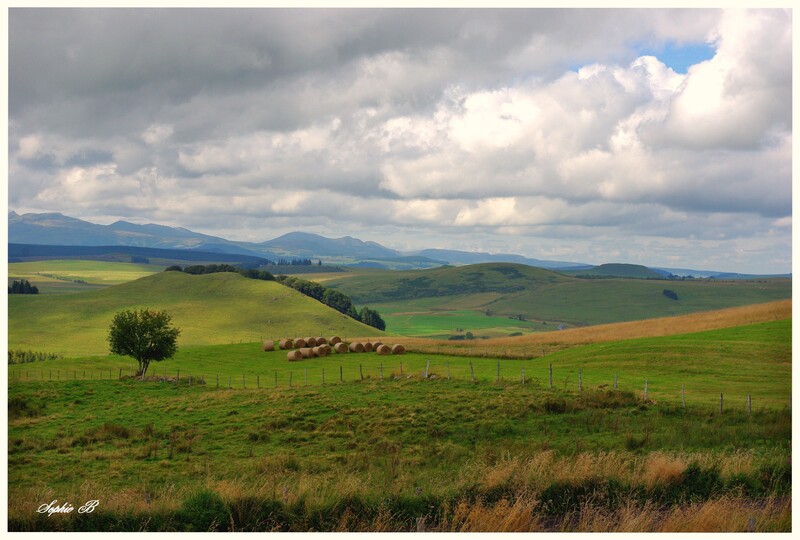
145,335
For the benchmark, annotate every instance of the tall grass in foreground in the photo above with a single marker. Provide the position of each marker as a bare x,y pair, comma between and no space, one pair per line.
611,492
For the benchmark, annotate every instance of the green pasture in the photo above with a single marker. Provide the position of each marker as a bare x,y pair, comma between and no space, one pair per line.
507,290
442,325
416,444
62,276
751,360
209,309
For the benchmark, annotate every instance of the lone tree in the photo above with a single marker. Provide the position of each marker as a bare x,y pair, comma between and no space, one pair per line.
144,335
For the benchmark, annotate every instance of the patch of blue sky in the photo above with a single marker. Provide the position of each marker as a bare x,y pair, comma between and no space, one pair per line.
679,57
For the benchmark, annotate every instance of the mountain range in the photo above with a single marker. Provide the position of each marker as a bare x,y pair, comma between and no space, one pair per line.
56,229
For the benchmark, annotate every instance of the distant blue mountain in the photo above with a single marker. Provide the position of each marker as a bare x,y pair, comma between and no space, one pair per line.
58,229
469,257
300,244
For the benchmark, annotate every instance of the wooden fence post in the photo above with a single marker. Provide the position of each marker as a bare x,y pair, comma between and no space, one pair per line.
361,372
276,379
472,371
523,375
720,403
749,405
178,378
401,368
258,381
427,367
580,380
305,376
290,379
217,380
498,371
448,371
323,376
683,395
381,372
645,389
340,374
615,381
243,384
551,376
229,382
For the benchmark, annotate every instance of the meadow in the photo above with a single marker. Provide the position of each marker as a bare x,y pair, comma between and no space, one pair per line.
454,436
378,455
71,276
483,298
209,309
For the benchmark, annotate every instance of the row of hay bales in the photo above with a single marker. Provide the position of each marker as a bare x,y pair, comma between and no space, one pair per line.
301,343
301,348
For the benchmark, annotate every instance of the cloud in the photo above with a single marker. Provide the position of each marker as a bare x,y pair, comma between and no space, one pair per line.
498,123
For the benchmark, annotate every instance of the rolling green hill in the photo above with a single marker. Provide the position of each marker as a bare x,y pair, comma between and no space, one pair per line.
617,270
446,301
504,278
210,309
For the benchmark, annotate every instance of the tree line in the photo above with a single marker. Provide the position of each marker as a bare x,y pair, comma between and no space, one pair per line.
199,269
23,287
334,299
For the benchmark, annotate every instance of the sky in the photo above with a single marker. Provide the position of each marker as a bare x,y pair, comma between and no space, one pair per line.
646,136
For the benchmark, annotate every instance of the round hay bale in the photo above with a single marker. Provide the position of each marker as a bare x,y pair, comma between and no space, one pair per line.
398,349
367,346
334,340
294,356
383,349
328,348
356,347
340,348
320,350
322,341
311,342
376,344
269,346
285,344
307,352
300,343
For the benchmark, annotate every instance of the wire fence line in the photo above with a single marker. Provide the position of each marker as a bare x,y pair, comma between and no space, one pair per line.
304,377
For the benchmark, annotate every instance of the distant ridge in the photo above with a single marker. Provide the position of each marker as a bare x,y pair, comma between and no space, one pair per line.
54,229
21,252
618,270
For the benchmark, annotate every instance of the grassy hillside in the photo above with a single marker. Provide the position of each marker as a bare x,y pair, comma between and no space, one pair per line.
434,303
385,286
210,309
376,454
616,270
62,276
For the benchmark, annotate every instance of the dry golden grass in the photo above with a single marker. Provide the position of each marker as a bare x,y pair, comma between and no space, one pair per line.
534,344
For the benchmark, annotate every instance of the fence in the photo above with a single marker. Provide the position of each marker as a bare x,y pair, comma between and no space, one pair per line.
293,378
